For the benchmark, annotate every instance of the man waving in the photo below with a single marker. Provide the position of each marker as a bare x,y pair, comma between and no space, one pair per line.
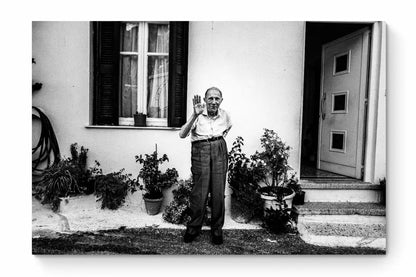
208,126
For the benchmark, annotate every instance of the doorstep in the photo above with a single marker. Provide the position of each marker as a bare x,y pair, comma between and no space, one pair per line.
324,190
341,208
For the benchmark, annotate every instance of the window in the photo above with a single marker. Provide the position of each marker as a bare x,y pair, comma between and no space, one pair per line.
140,67
338,141
340,102
342,63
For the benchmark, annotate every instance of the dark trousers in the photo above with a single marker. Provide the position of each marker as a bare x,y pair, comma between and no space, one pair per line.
209,169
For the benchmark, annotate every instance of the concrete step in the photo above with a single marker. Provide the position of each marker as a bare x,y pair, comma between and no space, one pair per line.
321,190
341,208
343,230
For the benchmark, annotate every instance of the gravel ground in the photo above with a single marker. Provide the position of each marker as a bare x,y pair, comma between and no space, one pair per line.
83,213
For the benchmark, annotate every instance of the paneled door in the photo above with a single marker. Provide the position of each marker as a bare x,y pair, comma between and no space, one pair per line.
343,104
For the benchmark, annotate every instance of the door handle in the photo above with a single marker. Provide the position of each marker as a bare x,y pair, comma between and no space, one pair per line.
323,100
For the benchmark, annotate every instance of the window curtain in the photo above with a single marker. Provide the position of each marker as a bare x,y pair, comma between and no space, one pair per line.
129,70
158,68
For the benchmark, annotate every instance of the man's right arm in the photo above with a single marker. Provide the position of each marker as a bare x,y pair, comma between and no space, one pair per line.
198,109
186,128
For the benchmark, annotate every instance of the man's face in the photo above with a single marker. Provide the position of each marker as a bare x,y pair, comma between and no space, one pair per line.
213,101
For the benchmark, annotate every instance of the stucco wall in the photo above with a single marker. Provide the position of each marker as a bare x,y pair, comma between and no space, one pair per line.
257,65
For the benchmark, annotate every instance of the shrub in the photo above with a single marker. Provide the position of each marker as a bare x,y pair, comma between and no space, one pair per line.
112,188
177,211
83,175
275,155
243,176
57,182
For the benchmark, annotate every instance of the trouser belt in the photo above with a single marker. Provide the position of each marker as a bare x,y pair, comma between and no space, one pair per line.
208,140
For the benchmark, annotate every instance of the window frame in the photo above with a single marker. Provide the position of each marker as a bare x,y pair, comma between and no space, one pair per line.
142,74
105,61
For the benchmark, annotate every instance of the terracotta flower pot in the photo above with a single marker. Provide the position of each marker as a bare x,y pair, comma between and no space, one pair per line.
152,205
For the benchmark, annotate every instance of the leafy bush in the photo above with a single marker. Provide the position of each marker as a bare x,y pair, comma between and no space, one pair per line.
83,175
275,156
280,220
154,180
112,188
243,176
177,211
57,182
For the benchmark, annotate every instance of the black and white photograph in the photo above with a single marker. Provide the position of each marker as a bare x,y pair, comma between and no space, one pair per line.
209,137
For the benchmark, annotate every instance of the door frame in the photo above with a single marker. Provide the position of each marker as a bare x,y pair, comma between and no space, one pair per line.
360,148
376,90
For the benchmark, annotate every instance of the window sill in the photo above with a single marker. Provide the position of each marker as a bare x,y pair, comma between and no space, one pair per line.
131,127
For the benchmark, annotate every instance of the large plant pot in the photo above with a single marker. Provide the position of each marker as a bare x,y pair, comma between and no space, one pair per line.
152,205
271,201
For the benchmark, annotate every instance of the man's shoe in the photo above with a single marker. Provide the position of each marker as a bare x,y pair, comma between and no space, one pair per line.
187,238
217,240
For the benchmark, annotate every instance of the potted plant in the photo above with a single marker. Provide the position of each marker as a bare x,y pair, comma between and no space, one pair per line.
275,154
139,119
57,182
154,181
243,177
112,188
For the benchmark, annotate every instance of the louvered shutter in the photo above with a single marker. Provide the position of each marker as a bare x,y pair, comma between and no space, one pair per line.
178,71
106,72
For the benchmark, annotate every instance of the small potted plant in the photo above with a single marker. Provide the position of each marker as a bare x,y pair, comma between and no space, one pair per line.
139,119
57,182
154,181
275,156
293,183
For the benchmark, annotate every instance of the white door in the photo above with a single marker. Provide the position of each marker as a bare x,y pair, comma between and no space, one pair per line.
342,111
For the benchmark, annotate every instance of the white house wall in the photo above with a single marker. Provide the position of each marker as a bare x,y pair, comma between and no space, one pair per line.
259,68
257,65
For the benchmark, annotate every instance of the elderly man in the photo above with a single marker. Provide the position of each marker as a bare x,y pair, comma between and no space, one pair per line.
208,126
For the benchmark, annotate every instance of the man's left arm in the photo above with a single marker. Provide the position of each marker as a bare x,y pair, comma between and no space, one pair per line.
229,125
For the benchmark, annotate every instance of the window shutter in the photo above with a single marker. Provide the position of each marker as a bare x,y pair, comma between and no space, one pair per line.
106,72
178,73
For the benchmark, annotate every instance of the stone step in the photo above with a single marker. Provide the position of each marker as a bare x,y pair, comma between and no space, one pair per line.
341,208
343,230
321,190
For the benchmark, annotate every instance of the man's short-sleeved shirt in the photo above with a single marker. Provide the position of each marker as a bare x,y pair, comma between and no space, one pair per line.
206,127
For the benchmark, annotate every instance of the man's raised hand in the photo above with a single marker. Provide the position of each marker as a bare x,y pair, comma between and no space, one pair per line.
198,106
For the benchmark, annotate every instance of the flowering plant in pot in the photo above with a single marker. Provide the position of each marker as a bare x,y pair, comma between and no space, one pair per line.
154,181
275,156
